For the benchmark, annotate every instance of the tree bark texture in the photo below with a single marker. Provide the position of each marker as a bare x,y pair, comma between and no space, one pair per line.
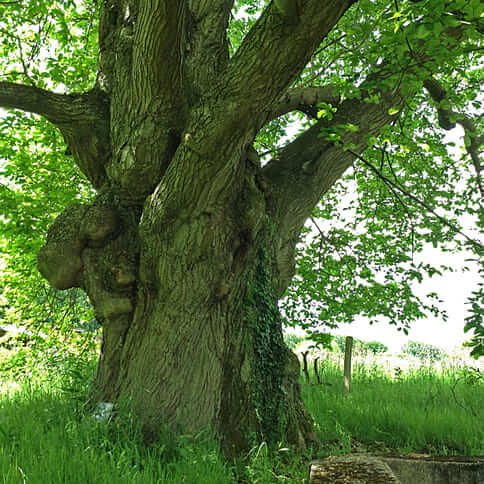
190,241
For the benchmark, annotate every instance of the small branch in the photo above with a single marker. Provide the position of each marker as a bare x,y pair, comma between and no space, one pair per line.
305,365
392,185
471,411
316,371
347,365
305,99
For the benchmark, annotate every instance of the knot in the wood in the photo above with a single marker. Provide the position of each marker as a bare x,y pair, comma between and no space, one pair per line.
99,223
351,469
59,260
110,306
124,273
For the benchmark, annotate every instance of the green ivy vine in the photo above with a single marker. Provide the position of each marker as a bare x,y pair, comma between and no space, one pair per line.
270,354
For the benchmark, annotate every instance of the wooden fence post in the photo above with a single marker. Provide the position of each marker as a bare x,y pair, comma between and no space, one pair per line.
305,365
347,370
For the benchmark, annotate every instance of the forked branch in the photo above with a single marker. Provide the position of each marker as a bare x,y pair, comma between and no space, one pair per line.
83,119
277,48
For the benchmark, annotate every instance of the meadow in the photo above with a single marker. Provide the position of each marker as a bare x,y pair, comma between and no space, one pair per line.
47,434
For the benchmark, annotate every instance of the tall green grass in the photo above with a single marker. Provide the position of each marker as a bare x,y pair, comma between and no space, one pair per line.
48,436
420,411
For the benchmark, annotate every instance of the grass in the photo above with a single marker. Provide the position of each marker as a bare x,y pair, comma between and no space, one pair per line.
422,411
47,436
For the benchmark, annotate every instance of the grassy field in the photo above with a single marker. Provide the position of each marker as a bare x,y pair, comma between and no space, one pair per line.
47,436
422,410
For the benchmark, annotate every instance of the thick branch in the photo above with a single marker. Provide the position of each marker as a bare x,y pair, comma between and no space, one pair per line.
82,119
309,166
305,99
449,118
57,108
167,55
157,36
206,33
277,48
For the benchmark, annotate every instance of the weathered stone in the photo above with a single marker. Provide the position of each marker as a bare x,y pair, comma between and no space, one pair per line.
426,469
351,469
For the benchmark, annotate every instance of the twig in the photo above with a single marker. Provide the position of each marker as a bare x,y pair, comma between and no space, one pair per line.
305,363
392,184
471,410
316,372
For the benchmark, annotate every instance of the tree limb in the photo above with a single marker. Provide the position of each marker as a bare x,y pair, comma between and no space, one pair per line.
209,51
446,121
57,108
304,99
83,119
173,53
277,48
310,165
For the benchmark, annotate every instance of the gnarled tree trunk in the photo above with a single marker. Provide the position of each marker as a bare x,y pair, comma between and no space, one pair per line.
188,302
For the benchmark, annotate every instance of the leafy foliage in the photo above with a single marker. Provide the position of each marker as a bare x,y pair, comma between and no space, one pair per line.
50,45
411,187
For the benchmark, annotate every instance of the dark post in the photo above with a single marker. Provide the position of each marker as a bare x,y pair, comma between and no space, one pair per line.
347,371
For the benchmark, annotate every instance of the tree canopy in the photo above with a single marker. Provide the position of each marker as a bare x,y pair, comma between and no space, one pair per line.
420,62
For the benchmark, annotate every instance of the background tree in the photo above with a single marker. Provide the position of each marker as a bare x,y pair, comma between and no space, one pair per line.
424,352
176,113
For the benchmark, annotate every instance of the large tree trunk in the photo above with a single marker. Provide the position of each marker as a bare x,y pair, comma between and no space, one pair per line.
190,241
191,329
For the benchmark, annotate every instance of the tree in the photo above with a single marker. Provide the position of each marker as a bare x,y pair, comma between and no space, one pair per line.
424,352
177,121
